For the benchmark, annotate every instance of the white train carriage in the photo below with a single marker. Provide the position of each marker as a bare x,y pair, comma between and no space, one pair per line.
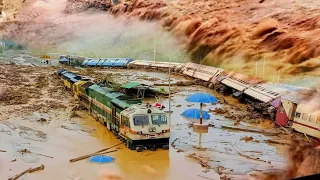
156,64
145,125
190,68
307,119
207,73
240,82
165,65
266,92
140,63
302,107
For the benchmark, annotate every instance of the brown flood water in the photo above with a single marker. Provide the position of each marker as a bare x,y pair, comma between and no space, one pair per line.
68,138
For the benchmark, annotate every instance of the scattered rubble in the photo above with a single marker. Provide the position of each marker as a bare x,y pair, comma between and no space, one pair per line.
202,162
249,138
30,170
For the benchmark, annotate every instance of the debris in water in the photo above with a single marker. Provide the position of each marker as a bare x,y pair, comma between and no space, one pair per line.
249,138
219,169
41,167
276,142
28,151
249,157
100,152
202,162
19,175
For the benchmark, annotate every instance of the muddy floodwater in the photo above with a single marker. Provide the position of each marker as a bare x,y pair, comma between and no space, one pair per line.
47,126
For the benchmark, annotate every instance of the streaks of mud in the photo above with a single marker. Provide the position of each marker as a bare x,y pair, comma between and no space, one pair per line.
244,28
27,133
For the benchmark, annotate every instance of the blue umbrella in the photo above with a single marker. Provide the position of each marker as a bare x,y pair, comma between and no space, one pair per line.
202,98
195,114
100,159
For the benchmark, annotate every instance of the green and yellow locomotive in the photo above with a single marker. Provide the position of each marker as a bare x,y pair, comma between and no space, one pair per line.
140,126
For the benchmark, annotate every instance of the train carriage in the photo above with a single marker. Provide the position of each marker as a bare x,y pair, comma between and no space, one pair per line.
300,107
92,62
69,79
266,92
307,120
101,61
86,60
207,73
190,68
240,82
77,85
140,63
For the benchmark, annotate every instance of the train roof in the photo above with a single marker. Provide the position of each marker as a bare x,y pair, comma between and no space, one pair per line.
240,81
125,103
87,84
141,109
100,89
106,61
130,85
266,92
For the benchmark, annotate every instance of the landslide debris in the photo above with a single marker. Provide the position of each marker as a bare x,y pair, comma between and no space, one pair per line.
217,31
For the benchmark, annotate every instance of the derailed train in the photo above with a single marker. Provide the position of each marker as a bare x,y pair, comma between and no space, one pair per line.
265,97
138,125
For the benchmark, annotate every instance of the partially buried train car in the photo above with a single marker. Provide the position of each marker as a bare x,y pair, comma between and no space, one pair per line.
301,111
138,125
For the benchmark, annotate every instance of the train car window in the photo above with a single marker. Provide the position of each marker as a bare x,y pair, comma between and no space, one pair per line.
312,119
298,115
125,121
159,119
305,116
141,120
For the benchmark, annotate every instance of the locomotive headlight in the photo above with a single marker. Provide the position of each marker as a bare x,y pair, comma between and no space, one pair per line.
139,132
164,131
153,129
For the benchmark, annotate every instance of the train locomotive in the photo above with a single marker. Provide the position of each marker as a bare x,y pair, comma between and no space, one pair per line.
140,126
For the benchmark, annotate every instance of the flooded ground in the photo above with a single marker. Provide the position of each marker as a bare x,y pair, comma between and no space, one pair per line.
46,124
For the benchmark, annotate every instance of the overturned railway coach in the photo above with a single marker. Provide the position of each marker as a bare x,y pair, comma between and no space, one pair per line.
106,62
138,125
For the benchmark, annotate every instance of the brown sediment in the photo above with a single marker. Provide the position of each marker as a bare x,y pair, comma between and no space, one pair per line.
222,29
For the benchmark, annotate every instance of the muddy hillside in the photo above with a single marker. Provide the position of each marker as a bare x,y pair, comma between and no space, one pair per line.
227,31
222,33
278,35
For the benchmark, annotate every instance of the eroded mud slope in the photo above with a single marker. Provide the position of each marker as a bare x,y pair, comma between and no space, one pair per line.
225,32
241,35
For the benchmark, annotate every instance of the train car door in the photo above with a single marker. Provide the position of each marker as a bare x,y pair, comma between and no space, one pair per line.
114,115
114,118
